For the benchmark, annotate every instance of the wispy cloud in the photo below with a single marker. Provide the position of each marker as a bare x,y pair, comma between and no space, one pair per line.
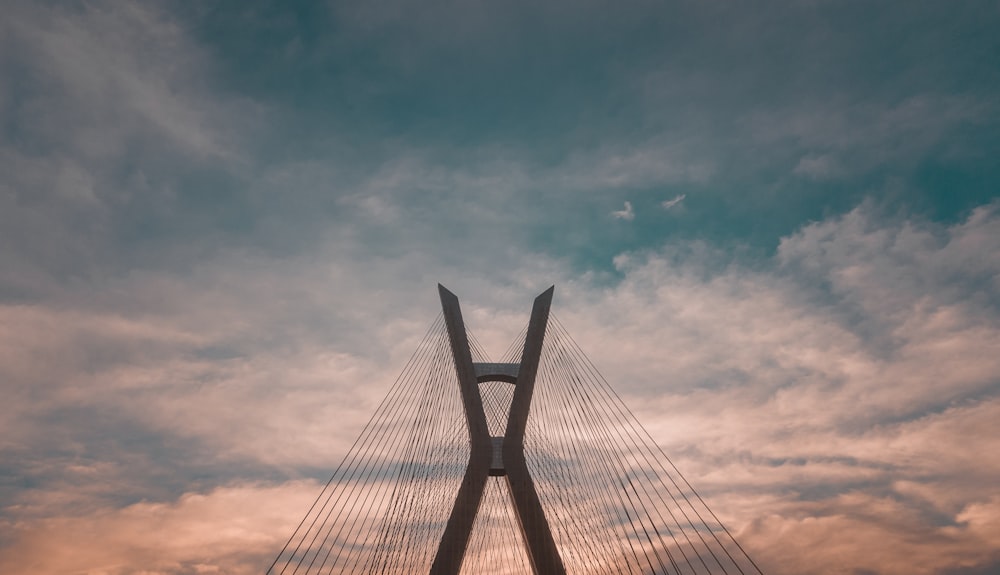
817,167
627,214
857,399
667,204
231,529
215,256
823,419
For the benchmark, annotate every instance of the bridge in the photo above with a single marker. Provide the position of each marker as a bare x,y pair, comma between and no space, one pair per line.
530,463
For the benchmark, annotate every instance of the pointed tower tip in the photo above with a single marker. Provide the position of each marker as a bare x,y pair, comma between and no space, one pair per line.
546,295
446,293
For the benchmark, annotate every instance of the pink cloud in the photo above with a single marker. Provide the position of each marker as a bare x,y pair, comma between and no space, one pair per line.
233,529
836,397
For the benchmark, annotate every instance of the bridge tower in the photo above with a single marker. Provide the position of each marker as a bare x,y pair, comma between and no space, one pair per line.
497,456
532,464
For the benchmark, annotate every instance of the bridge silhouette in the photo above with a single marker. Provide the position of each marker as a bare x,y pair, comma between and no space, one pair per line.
527,464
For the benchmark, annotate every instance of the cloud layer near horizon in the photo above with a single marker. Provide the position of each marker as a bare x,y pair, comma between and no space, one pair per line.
837,437
211,271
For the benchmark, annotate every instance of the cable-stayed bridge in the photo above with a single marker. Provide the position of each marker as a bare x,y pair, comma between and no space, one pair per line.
529,463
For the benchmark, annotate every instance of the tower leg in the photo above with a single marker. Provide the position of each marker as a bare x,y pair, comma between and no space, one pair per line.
451,550
538,539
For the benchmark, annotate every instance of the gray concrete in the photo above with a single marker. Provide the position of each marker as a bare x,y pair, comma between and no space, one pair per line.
498,456
496,372
451,550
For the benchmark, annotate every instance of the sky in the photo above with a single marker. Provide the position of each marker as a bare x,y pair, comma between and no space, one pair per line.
773,226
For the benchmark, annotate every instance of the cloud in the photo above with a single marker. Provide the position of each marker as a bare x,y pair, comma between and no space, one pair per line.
113,70
667,204
842,394
215,259
626,214
822,392
235,529
816,167
835,139
110,116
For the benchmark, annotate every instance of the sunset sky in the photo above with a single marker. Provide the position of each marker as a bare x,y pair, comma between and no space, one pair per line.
773,226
